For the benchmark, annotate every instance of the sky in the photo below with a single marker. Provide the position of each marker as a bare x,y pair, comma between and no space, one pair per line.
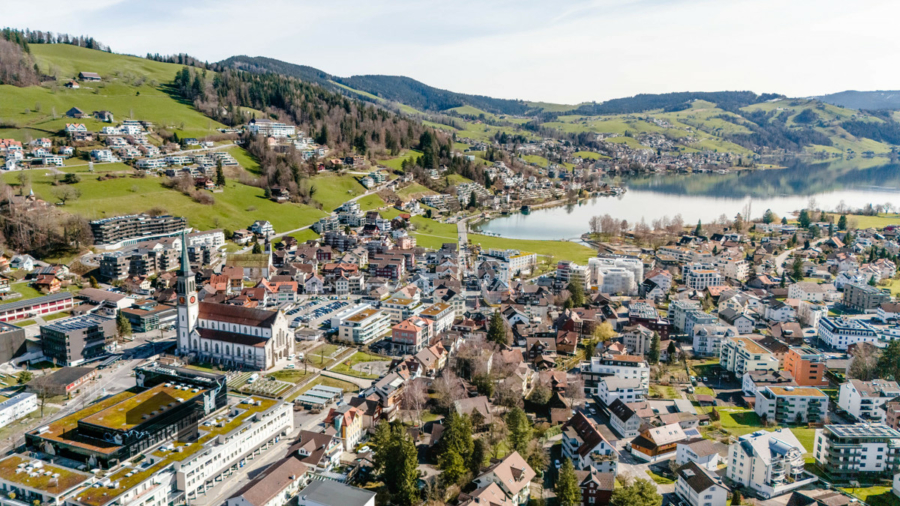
552,51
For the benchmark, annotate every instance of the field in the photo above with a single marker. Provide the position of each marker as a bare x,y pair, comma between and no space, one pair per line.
333,190
397,162
862,222
415,190
131,87
370,202
739,421
235,208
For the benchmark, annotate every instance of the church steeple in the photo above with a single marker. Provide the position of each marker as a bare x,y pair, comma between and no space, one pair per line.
186,282
185,262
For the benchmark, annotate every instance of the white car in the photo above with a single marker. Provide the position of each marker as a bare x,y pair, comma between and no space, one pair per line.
556,464
291,366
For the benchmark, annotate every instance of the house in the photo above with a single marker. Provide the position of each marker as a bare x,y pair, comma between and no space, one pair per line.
610,389
513,475
655,444
317,450
769,463
596,488
699,486
276,486
72,85
703,452
740,321
490,495
89,76
808,291
583,443
624,420
331,493
348,422
475,407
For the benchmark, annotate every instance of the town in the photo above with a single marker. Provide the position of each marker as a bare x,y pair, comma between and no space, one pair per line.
295,304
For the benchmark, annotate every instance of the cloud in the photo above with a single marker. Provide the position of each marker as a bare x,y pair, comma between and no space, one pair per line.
567,52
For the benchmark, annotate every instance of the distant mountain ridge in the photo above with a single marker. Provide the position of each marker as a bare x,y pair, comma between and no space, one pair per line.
868,100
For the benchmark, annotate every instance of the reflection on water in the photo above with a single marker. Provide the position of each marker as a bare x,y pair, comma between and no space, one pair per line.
705,197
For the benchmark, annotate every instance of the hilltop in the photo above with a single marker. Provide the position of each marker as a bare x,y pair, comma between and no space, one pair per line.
871,100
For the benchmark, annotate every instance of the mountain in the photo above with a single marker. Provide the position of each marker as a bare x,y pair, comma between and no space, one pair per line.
669,102
868,100
401,89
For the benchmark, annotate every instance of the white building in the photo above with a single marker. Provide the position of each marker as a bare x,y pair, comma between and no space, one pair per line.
276,486
616,274
703,452
700,276
808,291
627,390
839,333
586,447
570,272
770,463
788,404
269,128
16,407
708,339
620,366
857,452
699,486
863,399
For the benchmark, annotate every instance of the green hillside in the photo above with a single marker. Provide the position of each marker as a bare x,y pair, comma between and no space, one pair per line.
131,87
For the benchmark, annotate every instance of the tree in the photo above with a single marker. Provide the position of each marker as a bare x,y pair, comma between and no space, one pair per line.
736,498
453,467
889,361
672,350
541,393
257,248
473,200
123,326
699,229
842,222
640,493
604,332
568,493
66,193
769,217
94,283
576,293
537,457
653,354
407,467
25,377
520,430
804,219
457,448
797,268
497,329
872,281
220,175
480,451
484,384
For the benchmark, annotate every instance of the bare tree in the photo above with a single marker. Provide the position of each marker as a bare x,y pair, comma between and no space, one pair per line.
575,390
863,365
448,388
66,193
415,396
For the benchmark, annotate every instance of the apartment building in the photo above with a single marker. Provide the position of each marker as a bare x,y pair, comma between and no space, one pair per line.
412,334
865,452
839,333
787,404
864,399
769,463
616,274
401,308
864,297
583,443
16,407
120,231
270,128
620,366
742,354
610,389
364,325
570,272
699,486
441,316
637,339
707,341
806,365
678,310
700,276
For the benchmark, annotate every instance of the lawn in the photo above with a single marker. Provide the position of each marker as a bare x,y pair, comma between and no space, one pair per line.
247,161
56,316
874,496
320,357
370,202
589,155
880,221
346,367
664,392
235,208
289,375
659,479
333,190
414,191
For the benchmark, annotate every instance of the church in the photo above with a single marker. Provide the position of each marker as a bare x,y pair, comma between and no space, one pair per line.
231,336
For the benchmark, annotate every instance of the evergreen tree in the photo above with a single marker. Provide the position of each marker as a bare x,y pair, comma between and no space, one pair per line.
736,498
872,281
797,268
473,201
568,493
520,431
699,229
94,283
480,451
889,361
672,350
653,354
407,475
322,137
457,447
123,326
842,222
220,175
257,248
784,220
804,219
497,329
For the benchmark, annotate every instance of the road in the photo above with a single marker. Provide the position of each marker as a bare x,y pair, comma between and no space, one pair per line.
782,258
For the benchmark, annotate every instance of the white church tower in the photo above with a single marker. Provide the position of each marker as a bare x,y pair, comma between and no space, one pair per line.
188,306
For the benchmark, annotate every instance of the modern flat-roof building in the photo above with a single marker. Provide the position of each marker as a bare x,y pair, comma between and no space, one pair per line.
769,463
858,452
839,333
806,365
791,404
17,407
150,316
120,231
22,309
364,326
329,493
29,480
12,342
739,355
71,341
864,399
864,297
620,366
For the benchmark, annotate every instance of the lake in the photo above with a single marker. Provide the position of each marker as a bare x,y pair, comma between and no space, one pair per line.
705,197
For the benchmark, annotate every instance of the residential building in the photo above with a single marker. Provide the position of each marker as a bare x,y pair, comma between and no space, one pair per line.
769,463
121,231
839,333
699,276
807,291
441,316
275,486
742,354
364,325
755,380
636,339
620,366
624,420
864,399
332,493
699,486
678,310
864,297
270,128
610,389
740,321
513,475
703,452
583,443
806,365
864,452
784,405
348,424
412,334
708,339
655,444
570,272
617,275
596,488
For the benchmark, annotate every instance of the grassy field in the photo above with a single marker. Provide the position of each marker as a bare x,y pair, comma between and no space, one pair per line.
332,190
370,202
237,207
413,191
131,87
880,221
289,375
397,162
247,161
346,367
